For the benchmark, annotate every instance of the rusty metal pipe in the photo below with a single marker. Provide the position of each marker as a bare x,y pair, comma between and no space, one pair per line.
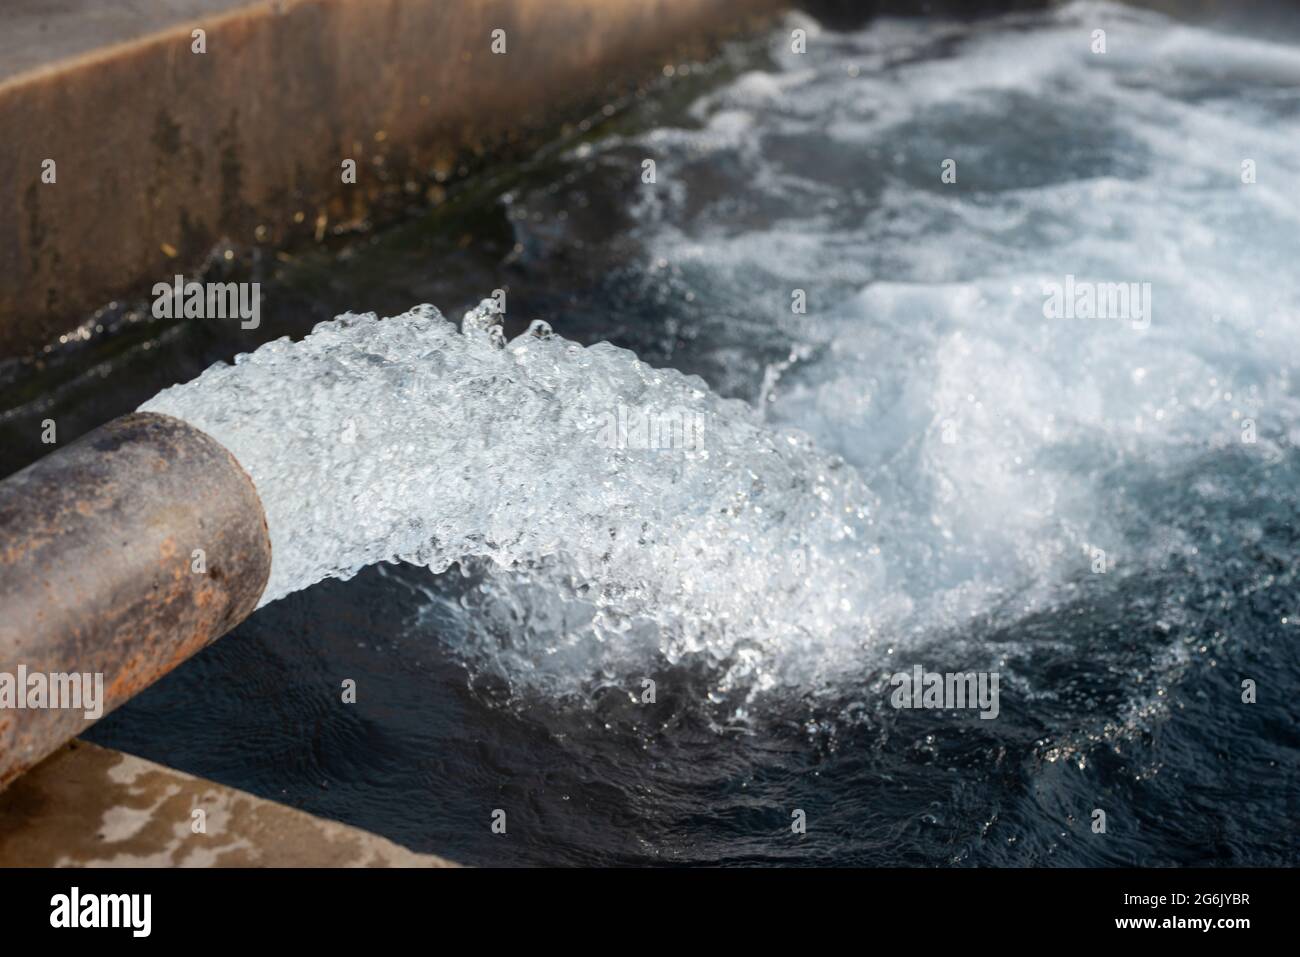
121,555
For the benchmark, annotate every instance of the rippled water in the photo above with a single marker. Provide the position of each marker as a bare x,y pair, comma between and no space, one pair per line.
1101,510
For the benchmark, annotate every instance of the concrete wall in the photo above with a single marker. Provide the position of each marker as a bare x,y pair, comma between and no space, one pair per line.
161,152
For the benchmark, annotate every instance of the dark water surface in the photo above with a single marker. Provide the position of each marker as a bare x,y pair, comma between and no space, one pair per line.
1121,691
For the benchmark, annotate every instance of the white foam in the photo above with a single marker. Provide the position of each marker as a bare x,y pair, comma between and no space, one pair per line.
990,448
402,439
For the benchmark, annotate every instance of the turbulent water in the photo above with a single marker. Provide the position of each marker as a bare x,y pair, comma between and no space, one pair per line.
673,519
1001,441
926,465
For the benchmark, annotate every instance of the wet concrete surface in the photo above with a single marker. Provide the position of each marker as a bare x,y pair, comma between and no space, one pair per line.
87,806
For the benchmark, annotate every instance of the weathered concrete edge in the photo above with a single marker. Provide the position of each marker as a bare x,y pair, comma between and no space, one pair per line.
87,806
161,152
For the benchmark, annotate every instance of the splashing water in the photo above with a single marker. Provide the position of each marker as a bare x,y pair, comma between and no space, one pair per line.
659,509
1001,447
1021,460
966,459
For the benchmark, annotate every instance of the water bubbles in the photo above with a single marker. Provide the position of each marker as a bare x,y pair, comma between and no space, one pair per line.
962,444
481,320
612,515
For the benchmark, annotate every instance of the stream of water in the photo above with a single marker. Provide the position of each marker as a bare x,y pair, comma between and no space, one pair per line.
774,509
